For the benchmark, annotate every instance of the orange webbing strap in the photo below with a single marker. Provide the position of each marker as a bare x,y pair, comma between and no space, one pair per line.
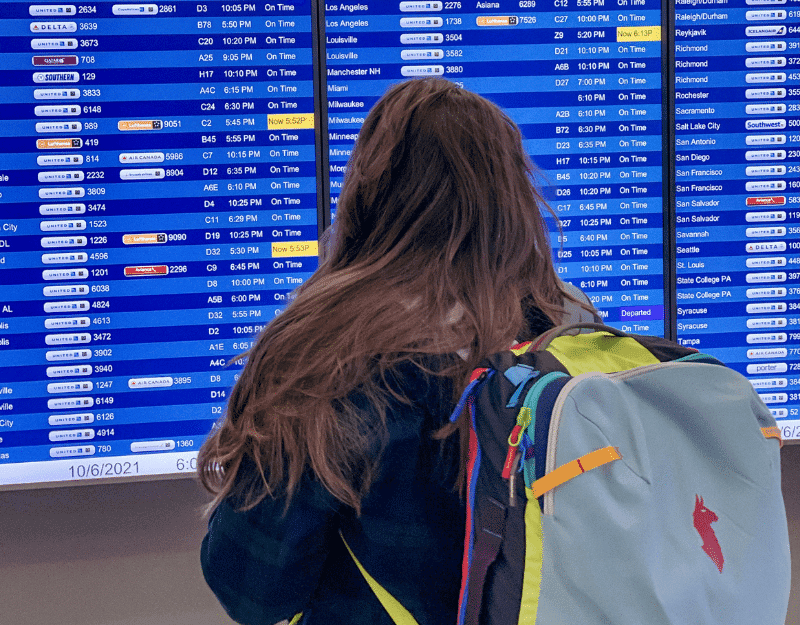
566,472
773,432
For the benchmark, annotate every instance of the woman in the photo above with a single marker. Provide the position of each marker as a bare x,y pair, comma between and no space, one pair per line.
336,436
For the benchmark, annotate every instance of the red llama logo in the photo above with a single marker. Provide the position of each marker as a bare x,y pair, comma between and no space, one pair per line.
703,518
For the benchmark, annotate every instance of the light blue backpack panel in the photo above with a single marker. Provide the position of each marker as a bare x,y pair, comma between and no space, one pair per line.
688,527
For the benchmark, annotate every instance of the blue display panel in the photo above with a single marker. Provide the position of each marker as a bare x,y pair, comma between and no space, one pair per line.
582,79
158,204
160,175
737,142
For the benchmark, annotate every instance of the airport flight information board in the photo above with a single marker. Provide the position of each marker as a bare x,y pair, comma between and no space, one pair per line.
737,170
166,169
159,204
581,78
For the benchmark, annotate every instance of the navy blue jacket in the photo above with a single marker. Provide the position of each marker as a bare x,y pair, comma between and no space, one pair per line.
265,567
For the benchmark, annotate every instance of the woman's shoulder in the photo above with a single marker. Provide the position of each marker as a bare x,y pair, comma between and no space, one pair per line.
578,309
423,381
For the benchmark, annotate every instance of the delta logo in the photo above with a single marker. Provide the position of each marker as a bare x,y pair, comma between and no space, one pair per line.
51,27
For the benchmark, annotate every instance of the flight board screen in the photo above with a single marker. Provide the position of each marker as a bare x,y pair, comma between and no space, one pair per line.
737,168
166,169
581,78
667,137
159,196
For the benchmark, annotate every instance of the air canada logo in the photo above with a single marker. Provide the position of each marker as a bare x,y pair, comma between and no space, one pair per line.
703,518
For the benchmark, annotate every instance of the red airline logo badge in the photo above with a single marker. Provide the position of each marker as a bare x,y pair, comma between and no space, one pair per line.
146,270
771,200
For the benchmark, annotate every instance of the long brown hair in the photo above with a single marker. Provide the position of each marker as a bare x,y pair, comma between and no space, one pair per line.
438,238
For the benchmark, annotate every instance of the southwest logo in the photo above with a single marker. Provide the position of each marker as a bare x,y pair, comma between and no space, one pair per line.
703,518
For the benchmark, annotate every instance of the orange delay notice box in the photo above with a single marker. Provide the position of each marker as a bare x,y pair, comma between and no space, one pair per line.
144,239
638,33
59,144
296,248
496,20
285,121
139,124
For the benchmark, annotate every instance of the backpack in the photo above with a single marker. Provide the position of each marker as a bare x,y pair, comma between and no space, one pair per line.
617,479
620,479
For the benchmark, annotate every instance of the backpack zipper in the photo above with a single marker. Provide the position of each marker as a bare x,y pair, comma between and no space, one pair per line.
524,417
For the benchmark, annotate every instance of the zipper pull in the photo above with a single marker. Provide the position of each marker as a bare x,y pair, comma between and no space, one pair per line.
478,376
513,443
512,481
